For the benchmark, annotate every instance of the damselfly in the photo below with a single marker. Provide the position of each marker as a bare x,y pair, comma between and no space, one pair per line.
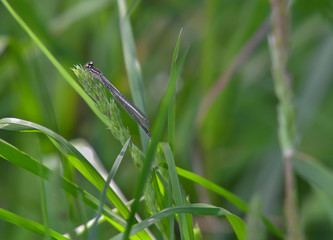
132,110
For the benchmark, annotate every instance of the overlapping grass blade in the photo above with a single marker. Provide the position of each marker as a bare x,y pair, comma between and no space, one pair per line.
132,63
55,62
172,108
314,173
77,13
194,209
73,155
214,187
242,205
22,160
156,135
29,225
112,173
43,196
185,221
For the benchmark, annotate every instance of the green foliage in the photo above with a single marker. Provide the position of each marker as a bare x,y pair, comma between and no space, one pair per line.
213,168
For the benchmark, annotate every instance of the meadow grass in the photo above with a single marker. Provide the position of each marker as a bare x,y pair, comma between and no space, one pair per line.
194,121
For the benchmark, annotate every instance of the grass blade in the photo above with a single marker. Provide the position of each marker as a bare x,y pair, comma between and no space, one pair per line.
156,135
132,64
112,173
55,62
76,13
195,209
22,160
314,173
29,225
172,108
73,155
242,205
214,187
185,221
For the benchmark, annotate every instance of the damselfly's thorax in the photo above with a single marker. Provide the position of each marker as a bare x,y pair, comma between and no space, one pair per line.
90,67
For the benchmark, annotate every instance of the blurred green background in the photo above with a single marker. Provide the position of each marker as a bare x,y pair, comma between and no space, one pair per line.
234,145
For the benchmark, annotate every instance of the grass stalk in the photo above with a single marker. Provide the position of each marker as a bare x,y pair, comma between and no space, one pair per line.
279,47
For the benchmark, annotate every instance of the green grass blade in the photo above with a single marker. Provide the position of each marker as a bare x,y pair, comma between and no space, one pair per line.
132,64
43,194
242,205
238,225
73,155
76,14
22,160
214,187
54,61
172,107
271,227
29,225
156,135
26,162
195,209
111,175
314,173
185,221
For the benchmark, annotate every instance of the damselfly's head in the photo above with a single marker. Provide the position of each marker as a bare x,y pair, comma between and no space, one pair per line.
89,65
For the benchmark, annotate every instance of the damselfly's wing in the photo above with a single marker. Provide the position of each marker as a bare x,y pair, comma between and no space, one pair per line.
130,108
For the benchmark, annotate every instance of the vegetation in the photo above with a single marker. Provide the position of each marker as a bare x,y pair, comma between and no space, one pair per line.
237,93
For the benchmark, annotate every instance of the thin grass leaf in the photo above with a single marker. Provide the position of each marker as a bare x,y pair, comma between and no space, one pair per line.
29,225
132,7
171,218
54,61
73,155
326,201
277,232
43,194
156,135
214,187
76,13
26,162
314,173
163,199
132,64
227,195
185,221
194,209
22,160
238,225
172,107
111,175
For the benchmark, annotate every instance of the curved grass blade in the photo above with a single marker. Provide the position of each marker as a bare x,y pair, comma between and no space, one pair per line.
132,63
55,62
185,221
195,209
214,187
242,205
73,155
314,172
156,135
112,173
174,74
22,160
29,225
76,13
